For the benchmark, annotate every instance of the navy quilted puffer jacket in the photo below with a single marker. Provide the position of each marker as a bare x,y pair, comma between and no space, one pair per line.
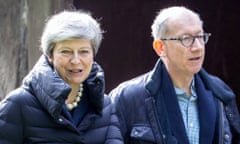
33,112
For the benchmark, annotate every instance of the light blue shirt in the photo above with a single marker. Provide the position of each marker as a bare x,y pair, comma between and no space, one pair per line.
189,110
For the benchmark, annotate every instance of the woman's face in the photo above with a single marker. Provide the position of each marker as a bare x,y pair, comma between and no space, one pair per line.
73,60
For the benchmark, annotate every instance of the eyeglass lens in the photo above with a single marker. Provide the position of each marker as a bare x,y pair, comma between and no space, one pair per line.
188,40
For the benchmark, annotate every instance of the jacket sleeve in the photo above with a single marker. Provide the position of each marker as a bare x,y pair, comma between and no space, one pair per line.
223,92
233,117
11,125
119,111
114,135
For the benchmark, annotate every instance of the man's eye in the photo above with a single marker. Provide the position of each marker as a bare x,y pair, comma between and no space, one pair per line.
84,51
186,37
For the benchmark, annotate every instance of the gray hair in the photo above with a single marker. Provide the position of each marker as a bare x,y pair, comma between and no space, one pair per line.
160,24
69,25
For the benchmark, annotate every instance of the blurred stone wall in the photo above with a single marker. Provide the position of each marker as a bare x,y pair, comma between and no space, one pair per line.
21,24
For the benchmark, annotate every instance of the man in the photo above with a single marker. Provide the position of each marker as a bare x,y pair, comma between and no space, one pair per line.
177,102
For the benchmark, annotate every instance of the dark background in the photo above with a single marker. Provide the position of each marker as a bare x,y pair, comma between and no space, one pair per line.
127,51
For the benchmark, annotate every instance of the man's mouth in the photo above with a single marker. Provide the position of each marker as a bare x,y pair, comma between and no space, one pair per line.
195,58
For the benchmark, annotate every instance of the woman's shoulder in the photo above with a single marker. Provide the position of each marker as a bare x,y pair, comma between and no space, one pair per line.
19,96
14,104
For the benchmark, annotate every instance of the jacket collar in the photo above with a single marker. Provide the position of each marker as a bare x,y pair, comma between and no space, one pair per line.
45,84
212,83
217,86
167,94
153,80
207,112
51,91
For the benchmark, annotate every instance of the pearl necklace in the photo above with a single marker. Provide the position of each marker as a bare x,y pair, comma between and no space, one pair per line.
74,104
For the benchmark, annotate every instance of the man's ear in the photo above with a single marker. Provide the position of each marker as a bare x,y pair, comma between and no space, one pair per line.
158,47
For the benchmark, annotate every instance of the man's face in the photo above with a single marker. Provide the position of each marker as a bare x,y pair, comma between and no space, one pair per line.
178,58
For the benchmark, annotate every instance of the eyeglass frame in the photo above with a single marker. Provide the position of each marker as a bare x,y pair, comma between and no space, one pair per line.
193,37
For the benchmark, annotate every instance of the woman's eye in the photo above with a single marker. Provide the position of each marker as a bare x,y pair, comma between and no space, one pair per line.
66,52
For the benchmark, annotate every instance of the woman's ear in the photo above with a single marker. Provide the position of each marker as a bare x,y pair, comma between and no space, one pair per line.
158,47
50,59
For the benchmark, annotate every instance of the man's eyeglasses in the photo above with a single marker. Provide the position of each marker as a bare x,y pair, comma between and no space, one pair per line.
188,40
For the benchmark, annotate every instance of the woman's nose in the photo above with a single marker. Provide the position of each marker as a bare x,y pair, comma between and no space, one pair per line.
75,58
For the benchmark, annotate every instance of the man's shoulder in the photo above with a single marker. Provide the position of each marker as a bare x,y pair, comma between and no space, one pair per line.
219,88
132,84
130,88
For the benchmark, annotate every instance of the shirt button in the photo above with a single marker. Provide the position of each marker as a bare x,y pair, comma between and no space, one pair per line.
60,120
136,133
226,136
164,136
191,125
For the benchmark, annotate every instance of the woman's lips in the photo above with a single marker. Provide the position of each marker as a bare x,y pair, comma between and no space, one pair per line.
76,71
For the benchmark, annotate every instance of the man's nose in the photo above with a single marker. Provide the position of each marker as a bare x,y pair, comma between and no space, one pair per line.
197,44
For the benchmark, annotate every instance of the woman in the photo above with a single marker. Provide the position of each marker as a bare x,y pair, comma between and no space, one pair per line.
62,99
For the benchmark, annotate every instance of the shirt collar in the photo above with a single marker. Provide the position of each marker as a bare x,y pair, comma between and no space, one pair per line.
180,92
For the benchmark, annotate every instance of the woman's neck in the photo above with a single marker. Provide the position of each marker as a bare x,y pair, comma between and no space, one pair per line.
72,95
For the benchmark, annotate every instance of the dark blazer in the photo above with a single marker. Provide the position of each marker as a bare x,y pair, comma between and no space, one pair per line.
33,113
148,110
